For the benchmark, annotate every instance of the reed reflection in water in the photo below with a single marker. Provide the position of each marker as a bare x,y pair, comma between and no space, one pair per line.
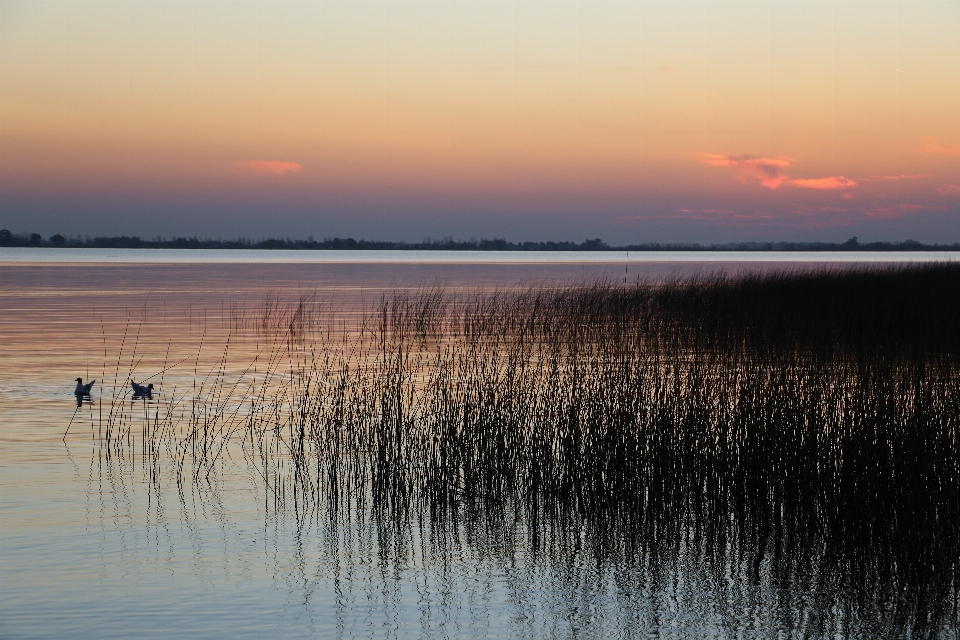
779,449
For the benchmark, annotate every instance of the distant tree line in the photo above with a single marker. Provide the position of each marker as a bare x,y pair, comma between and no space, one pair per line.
9,239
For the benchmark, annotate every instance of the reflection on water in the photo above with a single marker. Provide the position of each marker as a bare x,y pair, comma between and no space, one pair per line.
131,520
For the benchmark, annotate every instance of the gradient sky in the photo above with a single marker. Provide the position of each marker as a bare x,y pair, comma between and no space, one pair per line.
633,121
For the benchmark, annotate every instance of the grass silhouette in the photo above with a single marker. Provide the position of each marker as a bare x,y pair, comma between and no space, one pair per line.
797,430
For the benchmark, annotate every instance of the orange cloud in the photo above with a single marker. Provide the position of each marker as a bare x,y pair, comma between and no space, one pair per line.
934,146
823,184
766,170
266,167
950,189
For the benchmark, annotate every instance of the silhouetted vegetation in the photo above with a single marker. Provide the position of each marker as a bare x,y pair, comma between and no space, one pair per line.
8,239
794,432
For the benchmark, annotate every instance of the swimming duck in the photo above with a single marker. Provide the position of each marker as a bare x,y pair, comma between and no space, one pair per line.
140,390
83,389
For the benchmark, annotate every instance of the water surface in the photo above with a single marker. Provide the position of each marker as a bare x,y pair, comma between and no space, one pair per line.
89,547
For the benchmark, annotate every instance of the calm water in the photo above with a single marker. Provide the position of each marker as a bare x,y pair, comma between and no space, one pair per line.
654,261
90,548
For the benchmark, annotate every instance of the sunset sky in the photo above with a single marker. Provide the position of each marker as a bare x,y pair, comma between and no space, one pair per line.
632,121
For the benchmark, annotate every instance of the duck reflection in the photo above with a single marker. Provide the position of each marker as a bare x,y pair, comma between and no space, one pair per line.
83,400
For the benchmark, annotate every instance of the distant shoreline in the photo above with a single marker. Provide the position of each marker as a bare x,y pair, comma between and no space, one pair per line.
8,239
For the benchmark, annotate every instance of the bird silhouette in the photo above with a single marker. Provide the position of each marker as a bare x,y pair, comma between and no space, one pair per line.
83,389
140,390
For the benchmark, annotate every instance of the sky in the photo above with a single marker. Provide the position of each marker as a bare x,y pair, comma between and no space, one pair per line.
632,121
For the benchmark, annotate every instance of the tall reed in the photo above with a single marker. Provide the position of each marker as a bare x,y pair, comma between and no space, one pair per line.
787,429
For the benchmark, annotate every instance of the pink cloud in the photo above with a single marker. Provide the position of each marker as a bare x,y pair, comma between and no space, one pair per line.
724,217
948,190
266,167
934,146
886,213
895,178
710,214
832,183
765,170
898,210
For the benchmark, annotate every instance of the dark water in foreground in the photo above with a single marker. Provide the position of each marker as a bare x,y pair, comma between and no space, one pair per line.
91,545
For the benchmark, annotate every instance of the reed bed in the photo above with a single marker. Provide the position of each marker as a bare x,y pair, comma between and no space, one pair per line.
794,430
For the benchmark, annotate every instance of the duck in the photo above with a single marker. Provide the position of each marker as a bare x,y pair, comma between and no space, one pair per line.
83,389
140,390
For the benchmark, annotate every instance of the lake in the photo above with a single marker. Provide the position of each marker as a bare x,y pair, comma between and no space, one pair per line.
98,538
